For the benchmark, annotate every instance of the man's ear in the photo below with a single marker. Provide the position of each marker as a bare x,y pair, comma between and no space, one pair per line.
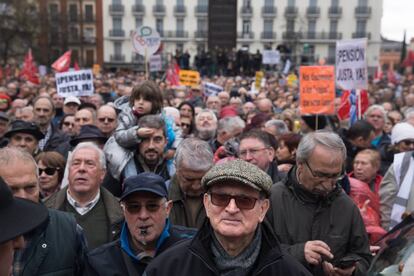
263,209
271,153
168,207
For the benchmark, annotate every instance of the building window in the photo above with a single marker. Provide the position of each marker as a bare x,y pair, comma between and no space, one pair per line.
180,3
89,33
180,25
53,9
331,53
74,34
88,12
335,3
117,48
247,3
202,24
246,26
290,25
267,26
313,3
291,3
363,3
159,2
117,23
361,26
269,3
203,3
312,26
138,2
116,2
73,12
138,22
159,25
333,26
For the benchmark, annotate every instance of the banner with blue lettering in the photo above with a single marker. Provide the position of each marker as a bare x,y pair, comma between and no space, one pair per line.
351,64
75,83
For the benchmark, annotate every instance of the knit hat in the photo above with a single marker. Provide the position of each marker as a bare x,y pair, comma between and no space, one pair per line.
238,171
228,111
402,131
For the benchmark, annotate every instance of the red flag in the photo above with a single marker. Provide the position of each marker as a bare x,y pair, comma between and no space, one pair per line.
345,106
62,64
391,76
29,70
409,60
173,74
76,66
378,73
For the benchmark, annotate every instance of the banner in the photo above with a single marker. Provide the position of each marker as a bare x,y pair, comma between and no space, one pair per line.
62,64
317,90
155,63
211,89
271,57
75,83
258,80
351,64
189,78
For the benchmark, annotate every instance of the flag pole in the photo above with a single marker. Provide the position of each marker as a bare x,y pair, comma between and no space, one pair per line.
359,103
146,64
316,122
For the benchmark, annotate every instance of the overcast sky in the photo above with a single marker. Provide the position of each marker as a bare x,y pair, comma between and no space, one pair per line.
397,16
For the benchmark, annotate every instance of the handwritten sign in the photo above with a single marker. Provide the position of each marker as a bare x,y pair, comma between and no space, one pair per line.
145,41
271,57
317,90
155,63
351,64
75,83
189,78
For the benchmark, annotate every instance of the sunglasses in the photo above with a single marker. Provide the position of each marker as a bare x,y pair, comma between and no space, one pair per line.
185,125
135,208
408,142
68,124
102,120
242,202
48,171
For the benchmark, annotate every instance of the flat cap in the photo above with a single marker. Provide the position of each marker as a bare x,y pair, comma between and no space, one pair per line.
241,172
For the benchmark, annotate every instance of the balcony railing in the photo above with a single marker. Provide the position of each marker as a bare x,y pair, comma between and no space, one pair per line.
246,11
313,11
158,10
117,58
73,18
176,34
89,19
116,9
335,11
291,11
321,35
116,33
269,11
180,10
361,35
201,34
242,35
138,10
362,11
200,10
291,35
268,35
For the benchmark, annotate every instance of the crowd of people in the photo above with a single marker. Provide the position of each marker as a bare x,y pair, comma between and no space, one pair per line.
145,178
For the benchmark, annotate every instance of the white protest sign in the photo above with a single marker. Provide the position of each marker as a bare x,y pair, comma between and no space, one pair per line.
211,89
271,57
155,63
145,41
42,70
351,64
74,83
287,67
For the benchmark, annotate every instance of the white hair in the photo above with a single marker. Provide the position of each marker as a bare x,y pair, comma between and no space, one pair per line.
90,145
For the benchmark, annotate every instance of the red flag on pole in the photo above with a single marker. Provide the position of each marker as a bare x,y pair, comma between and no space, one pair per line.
345,110
173,74
62,64
76,66
29,70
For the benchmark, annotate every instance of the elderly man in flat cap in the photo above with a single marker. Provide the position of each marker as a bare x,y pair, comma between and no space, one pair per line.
233,240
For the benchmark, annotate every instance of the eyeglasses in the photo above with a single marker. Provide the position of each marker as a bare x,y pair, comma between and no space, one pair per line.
336,176
48,171
68,124
408,142
253,152
135,208
185,125
242,202
102,120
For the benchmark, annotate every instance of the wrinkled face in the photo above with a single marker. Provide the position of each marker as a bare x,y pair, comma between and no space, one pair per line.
68,125
376,119
48,181
364,170
152,148
142,106
213,103
322,170
107,120
43,112
190,181
224,98
283,153
24,141
255,151
7,252
231,222
83,117
21,177
205,121
85,172
145,214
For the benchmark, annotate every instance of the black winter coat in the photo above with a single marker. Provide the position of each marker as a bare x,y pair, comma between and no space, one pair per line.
194,257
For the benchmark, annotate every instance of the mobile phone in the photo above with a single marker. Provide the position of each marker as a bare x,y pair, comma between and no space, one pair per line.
347,261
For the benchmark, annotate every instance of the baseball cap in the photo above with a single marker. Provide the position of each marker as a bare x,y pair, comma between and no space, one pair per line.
144,182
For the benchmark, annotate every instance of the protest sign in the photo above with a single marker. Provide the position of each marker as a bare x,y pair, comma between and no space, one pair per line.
271,57
189,78
74,83
155,63
292,79
286,69
145,41
258,80
351,64
211,89
317,90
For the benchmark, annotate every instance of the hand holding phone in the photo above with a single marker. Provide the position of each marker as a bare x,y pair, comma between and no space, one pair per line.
346,262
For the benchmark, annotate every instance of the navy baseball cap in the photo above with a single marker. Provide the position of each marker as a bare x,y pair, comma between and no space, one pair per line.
144,182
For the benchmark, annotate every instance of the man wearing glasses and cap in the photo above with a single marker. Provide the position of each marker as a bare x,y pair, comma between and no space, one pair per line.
146,232
233,241
17,217
314,219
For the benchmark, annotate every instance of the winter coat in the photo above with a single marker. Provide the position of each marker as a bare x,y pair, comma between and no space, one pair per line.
194,257
298,216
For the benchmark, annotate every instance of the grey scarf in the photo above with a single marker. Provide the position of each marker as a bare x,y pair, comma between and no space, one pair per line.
240,265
